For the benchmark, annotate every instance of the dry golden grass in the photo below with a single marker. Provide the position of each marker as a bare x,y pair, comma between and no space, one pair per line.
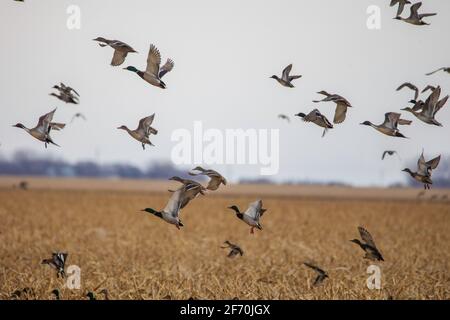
138,256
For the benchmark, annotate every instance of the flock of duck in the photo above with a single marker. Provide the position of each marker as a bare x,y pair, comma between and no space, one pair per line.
423,110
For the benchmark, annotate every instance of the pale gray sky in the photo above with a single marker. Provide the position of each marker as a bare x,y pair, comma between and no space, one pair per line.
224,53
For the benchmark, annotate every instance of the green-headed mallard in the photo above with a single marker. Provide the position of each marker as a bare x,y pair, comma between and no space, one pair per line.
153,73
368,245
415,18
43,128
121,49
286,79
251,217
341,105
424,169
390,125
317,118
143,131
216,178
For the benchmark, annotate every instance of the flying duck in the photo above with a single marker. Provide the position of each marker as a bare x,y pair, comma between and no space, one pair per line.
57,262
65,89
415,18
191,189
317,118
389,126
43,128
153,73
235,249
429,108
252,215
78,115
284,117
341,105
428,87
424,170
410,86
121,49
445,69
321,274
171,211
286,79
368,245
143,131
216,178
66,97
401,5
388,152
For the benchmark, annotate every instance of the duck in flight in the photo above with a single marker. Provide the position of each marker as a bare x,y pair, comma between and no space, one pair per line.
368,245
424,170
121,49
57,262
286,79
78,115
43,128
66,89
154,73
284,117
317,118
341,105
252,215
390,125
143,131
216,179
410,86
191,189
415,17
444,69
321,274
234,249
401,5
388,152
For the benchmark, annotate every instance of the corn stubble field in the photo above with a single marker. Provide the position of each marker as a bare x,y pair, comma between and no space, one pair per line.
138,256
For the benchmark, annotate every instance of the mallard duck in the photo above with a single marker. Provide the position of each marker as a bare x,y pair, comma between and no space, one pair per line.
284,117
321,274
251,217
368,245
444,69
57,262
171,211
286,79
317,118
216,178
235,249
426,111
153,73
78,115
143,131
341,105
56,293
121,49
388,152
401,5
424,170
389,126
43,128
415,18
410,86
191,189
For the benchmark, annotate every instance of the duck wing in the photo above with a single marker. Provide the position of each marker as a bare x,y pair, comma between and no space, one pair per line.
428,87
314,267
440,104
366,237
433,72
433,163
153,61
414,11
410,86
174,204
391,120
286,71
145,123
167,67
312,116
118,57
45,120
422,168
340,113
431,103
57,126
254,210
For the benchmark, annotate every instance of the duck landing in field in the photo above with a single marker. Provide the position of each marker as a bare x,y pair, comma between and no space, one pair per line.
401,5
389,126
415,18
286,79
143,131
153,73
216,178
43,128
317,118
424,170
321,274
57,262
121,49
445,69
67,98
251,217
234,249
426,111
368,245
191,189
341,105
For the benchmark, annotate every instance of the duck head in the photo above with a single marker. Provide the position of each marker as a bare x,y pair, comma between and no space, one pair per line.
19,125
300,114
101,39
366,123
356,241
407,170
131,68
122,127
152,211
274,77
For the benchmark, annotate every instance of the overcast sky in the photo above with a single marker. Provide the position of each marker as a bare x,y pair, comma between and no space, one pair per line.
224,53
